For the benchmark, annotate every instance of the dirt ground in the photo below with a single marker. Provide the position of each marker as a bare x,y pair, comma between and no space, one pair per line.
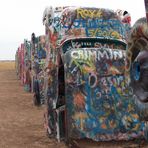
21,123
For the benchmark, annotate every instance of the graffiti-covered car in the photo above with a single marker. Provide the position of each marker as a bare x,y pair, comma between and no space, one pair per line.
38,53
20,63
27,65
17,63
23,64
137,68
87,92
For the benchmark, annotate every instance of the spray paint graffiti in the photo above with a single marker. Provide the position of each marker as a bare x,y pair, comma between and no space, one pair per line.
23,64
27,66
98,99
125,17
97,55
93,24
86,13
87,93
137,69
38,64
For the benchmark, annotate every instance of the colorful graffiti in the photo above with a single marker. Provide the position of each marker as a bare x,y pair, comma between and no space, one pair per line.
137,65
38,64
91,22
27,63
99,102
87,92
23,64
126,20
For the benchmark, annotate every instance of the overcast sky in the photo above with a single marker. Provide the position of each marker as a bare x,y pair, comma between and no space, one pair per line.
19,18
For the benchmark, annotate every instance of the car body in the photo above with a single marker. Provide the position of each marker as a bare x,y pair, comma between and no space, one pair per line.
87,92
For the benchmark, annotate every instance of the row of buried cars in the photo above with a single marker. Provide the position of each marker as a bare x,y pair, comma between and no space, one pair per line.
30,62
89,71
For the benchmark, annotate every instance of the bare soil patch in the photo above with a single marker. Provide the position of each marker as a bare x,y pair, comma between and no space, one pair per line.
21,123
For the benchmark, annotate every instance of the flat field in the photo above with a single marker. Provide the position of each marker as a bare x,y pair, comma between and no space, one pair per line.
21,123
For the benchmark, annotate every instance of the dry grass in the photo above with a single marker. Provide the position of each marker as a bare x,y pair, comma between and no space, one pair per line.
7,65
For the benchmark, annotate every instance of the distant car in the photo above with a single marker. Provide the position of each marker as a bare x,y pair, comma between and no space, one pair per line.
38,54
23,64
